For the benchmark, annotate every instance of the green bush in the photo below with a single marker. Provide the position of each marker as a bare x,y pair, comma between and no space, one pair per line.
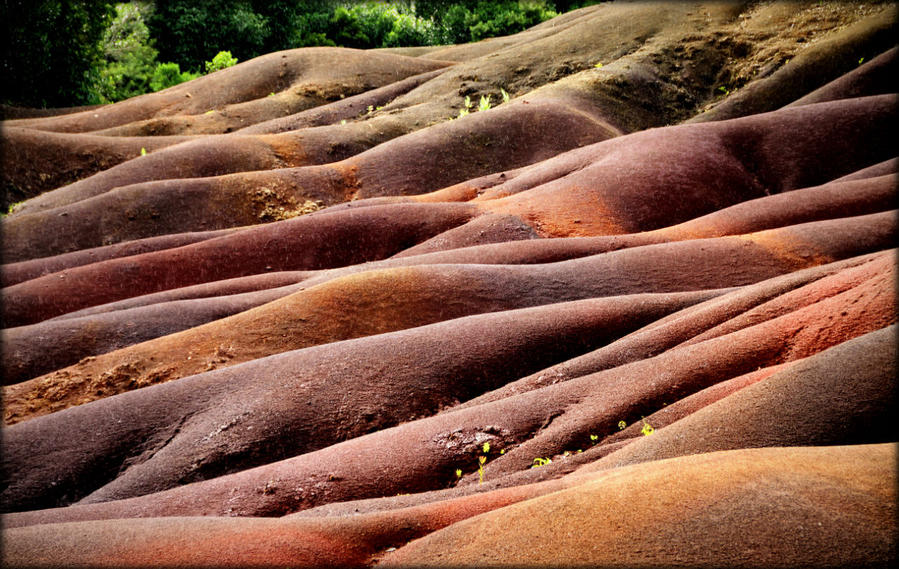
168,75
309,29
221,60
408,30
373,24
455,24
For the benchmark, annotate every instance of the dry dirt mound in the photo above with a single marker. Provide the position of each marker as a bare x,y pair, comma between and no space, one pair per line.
642,314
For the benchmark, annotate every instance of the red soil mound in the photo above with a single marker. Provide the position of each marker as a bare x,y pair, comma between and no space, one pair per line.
820,482
726,509
660,281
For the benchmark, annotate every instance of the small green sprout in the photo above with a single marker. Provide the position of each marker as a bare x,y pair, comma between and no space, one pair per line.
594,439
486,448
621,425
502,451
209,112
647,429
343,121
505,95
467,102
458,473
598,65
484,103
462,112
861,60
371,109
724,90
272,94
538,462
10,209
143,151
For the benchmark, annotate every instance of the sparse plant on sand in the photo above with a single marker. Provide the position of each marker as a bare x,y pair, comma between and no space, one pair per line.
10,209
482,462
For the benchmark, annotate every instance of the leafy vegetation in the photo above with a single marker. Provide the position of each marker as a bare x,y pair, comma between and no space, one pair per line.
129,55
51,51
167,75
221,60
69,52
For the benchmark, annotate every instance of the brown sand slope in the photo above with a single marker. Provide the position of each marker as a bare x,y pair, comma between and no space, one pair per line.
817,485
642,314
379,301
27,350
725,510
541,423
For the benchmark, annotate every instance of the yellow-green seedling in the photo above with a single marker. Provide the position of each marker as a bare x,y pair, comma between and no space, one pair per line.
647,429
505,95
621,425
598,65
482,460
458,473
484,103
538,462
143,151
482,472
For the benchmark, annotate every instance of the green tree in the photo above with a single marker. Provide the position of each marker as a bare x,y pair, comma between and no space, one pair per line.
376,24
130,56
295,23
51,51
462,21
188,32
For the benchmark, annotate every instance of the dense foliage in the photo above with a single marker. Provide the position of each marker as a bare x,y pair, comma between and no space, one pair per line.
51,50
65,52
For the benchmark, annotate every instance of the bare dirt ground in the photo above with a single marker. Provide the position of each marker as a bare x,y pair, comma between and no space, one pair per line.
319,309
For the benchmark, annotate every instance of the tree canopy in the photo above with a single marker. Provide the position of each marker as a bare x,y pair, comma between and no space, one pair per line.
73,52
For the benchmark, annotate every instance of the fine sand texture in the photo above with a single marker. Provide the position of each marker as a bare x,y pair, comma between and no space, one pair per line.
302,312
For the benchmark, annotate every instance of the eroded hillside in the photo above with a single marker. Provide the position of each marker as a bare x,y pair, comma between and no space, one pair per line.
618,290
